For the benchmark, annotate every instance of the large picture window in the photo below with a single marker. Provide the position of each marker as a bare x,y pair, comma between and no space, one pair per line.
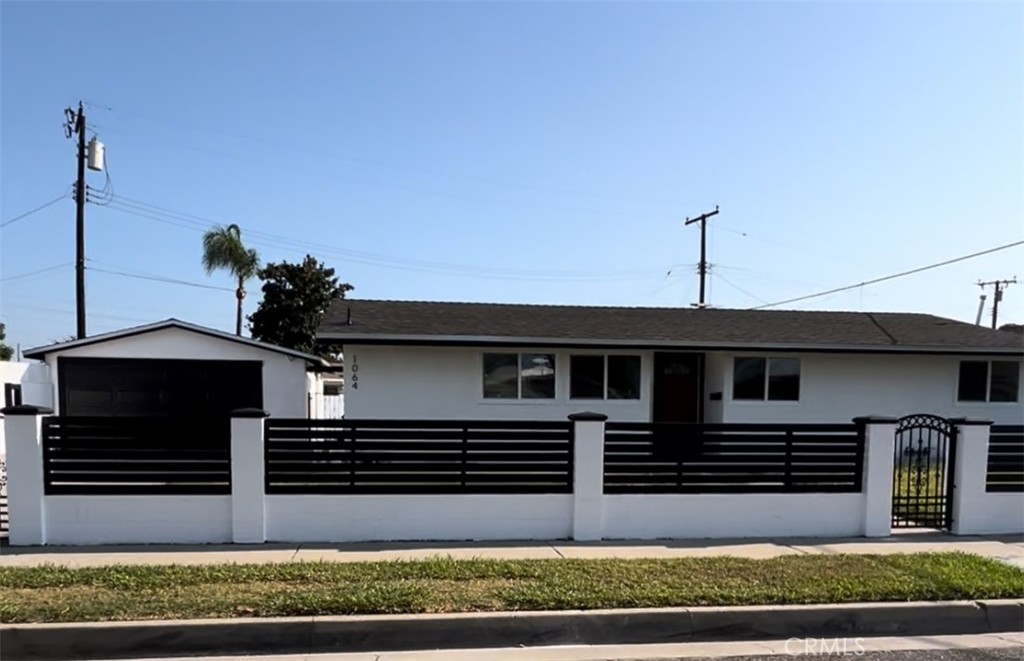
771,379
989,381
519,376
604,377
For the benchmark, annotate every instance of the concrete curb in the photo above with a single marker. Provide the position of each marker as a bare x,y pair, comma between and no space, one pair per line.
382,633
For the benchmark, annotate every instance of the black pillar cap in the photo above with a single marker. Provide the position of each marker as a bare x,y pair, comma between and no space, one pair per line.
875,420
970,421
26,409
588,416
249,413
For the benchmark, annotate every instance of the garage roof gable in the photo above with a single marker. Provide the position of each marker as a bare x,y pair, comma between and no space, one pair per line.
41,352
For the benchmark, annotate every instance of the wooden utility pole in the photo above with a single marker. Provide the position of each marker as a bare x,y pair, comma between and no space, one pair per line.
999,286
703,266
76,125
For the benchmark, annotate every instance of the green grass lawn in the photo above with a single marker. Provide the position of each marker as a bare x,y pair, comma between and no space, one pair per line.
58,594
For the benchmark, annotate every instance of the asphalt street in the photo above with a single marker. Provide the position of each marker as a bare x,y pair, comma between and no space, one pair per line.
977,654
972,647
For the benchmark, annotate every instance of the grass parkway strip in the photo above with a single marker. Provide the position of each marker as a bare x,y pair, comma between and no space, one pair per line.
442,585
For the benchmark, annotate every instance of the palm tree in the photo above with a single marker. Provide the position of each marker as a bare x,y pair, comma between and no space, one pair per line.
223,249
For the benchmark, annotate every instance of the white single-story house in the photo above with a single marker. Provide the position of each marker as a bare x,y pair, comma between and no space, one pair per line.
438,360
175,369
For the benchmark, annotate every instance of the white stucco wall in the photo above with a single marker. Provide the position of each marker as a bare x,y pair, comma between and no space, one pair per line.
671,516
394,518
838,387
36,388
285,382
447,382
75,520
34,377
714,382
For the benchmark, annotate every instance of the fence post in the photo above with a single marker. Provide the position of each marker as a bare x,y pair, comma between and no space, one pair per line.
970,471
26,504
879,444
588,475
248,520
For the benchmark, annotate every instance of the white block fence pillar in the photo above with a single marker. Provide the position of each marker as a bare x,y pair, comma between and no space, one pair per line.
26,503
970,471
248,516
588,476
879,445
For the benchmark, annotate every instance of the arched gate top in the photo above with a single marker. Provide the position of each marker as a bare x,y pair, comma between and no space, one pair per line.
924,421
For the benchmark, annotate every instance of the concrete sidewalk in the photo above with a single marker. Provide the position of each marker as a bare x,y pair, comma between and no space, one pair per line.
1006,548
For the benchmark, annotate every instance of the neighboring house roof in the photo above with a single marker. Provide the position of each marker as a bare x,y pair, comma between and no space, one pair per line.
42,352
419,322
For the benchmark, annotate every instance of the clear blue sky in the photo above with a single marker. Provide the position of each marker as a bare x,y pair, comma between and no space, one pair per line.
532,152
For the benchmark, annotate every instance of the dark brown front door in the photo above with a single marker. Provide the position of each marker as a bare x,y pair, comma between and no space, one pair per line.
677,387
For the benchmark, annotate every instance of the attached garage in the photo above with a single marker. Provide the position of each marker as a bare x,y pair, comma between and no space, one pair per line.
177,370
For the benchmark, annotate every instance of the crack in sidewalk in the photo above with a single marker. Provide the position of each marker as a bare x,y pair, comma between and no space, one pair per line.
555,549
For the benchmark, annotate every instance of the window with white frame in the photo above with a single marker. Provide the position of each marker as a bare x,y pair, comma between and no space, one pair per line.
519,376
988,381
604,377
761,379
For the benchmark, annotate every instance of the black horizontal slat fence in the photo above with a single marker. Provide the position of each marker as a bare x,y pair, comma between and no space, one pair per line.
732,458
136,456
417,457
1005,459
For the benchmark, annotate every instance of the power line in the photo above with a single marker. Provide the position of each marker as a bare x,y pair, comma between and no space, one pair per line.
202,224
737,287
37,209
158,278
387,165
114,317
38,272
190,220
891,277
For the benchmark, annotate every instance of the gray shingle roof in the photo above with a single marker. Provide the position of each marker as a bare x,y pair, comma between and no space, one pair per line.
425,322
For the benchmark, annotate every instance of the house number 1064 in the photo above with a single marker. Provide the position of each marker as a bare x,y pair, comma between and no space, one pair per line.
355,376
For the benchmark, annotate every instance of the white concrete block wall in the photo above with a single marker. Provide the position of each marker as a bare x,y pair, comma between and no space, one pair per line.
83,520
252,517
877,476
308,518
672,516
975,510
26,504
248,499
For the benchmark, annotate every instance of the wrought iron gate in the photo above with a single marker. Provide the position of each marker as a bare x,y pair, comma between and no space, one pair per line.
922,483
3,493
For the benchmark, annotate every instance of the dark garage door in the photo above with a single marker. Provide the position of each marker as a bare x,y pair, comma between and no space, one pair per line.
196,389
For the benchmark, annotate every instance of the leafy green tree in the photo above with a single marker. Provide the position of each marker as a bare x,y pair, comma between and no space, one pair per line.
6,351
223,250
295,298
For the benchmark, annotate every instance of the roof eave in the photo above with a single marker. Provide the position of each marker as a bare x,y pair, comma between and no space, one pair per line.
467,340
